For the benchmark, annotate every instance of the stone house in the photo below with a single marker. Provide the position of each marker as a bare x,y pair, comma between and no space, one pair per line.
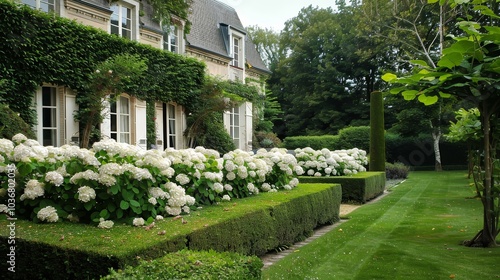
217,37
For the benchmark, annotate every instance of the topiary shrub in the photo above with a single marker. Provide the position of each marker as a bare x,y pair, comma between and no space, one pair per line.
266,140
396,170
330,142
188,264
11,124
354,137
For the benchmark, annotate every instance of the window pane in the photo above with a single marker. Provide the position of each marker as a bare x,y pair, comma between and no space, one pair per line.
47,5
126,34
49,117
124,123
114,28
171,127
124,107
48,96
171,141
49,137
114,136
114,125
115,18
31,3
112,107
124,138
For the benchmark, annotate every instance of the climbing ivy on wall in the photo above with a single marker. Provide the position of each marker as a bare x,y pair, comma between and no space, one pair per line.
41,48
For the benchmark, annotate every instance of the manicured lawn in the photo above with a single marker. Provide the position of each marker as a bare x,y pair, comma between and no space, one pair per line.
412,233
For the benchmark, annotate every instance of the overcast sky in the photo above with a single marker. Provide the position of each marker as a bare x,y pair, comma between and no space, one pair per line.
272,13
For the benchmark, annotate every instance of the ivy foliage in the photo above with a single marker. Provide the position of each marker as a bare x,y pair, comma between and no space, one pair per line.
205,123
116,75
42,48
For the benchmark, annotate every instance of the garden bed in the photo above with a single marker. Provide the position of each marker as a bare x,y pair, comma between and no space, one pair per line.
251,226
360,187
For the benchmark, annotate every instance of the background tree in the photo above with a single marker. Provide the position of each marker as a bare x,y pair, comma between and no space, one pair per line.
413,30
469,69
321,83
467,128
269,110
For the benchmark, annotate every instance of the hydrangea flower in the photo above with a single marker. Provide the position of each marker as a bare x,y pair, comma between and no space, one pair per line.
33,190
105,224
86,194
138,222
48,214
54,177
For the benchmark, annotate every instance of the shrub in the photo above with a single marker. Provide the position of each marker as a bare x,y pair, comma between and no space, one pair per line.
331,163
266,140
354,137
396,170
117,181
188,264
11,124
330,142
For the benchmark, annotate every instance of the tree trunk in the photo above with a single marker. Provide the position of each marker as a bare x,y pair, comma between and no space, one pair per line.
436,136
486,237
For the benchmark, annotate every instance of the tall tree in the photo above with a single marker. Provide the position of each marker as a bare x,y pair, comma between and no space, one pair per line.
469,69
413,30
323,84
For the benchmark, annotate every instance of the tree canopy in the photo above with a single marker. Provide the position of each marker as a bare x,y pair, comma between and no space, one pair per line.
469,69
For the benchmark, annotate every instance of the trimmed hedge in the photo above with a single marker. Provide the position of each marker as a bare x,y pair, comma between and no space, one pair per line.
360,187
264,229
253,225
188,264
413,152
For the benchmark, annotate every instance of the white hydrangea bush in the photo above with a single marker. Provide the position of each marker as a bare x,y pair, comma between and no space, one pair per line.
119,182
331,163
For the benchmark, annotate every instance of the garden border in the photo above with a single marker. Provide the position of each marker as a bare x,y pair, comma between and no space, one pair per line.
360,187
251,226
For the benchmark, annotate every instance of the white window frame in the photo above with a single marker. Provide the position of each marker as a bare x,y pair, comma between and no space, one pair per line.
173,33
171,126
131,5
120,130
42,5
54,108
235,125
237,51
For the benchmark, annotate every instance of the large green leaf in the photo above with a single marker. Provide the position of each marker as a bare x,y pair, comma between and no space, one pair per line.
409,94
419,62
124,205
389,77
494,66
427,100
451,60
135,203
127,195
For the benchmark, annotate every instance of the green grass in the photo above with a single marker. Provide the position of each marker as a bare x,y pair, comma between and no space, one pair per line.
412,233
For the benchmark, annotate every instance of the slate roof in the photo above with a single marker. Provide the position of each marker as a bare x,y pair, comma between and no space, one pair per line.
207,17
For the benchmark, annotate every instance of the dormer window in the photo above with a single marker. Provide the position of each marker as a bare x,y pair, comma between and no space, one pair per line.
121,20
171,38
43,5
236,52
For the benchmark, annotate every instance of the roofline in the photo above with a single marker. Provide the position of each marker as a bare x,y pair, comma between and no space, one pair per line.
209,51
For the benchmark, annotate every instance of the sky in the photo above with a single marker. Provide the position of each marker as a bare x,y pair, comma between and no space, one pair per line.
272,13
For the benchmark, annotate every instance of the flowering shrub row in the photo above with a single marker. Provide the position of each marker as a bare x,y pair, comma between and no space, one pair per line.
331,163
116,181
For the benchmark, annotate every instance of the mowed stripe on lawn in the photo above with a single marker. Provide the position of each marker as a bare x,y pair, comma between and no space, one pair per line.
412,233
